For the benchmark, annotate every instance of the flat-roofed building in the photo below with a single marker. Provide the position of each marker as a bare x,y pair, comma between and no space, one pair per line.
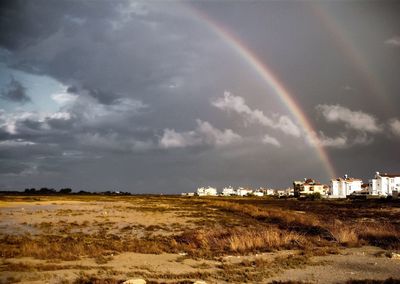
384,184
344,186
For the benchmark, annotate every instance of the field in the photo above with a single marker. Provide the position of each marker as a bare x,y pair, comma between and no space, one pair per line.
170,239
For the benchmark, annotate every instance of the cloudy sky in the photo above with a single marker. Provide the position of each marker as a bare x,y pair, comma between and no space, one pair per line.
161,96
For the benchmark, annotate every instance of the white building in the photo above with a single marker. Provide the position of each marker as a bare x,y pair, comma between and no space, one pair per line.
187,193
290,191
384,184
228,191
269,191
282,192
207,191
258,193
244,191
341,187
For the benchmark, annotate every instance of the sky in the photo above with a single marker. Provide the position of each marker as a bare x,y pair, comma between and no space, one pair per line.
164,96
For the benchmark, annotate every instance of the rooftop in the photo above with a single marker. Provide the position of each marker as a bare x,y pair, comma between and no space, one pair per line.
389,175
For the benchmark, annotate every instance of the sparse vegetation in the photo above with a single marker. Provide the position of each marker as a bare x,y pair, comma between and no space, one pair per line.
103,227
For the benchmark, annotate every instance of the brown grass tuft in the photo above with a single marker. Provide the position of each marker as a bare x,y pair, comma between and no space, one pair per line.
220,240
271,215
75,246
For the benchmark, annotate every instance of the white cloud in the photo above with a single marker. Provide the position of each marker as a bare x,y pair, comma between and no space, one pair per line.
393,41
63,98
270,140
213,136
204,134
9,121
113,142
334,142
61,115
344,140
93,113
237,104
394,125
357,120
173,139
16,143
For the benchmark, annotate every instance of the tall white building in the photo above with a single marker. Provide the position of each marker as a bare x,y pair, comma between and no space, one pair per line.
206,191
384,184
341,187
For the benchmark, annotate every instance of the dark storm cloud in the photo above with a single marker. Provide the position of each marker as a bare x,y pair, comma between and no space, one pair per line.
25,23
140,79
11,167
15,92
110,51
72,89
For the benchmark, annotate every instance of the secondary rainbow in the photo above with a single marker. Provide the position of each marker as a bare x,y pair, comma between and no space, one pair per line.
344,41
267,75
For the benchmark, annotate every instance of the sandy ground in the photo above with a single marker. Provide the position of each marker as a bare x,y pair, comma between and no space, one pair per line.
352,263
34,217
49,216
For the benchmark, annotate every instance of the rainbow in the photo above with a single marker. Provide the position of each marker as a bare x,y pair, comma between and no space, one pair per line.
273,82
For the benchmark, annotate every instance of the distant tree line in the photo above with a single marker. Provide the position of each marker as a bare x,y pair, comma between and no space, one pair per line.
62,191
45,190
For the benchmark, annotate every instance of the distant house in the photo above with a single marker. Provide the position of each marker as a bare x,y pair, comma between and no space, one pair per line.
207,191
269,191
244,191
342,187
384,184
309,186
228,191
289,191
280,192
258,193
283,192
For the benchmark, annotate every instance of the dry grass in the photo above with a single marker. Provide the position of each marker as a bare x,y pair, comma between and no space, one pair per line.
369,281
246,271
239,226
383,235
255,270
221,240
75,246
352,232
269,215
217,227
30,267
94,279
344,234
